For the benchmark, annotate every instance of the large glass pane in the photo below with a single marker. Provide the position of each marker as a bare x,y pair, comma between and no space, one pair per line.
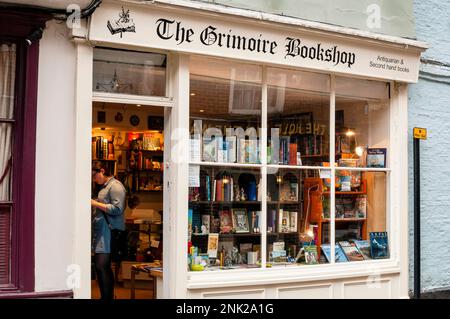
296,207
225,219
6,130
7,80
129,72
298,118
225,200
361,215
362,123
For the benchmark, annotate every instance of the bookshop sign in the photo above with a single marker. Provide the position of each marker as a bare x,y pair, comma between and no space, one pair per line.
160,29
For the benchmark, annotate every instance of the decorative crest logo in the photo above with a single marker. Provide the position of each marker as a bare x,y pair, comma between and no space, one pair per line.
123,24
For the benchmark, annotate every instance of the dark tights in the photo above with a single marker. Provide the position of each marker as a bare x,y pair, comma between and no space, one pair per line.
105,275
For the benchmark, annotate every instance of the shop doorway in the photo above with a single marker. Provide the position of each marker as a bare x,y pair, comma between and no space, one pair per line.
128,139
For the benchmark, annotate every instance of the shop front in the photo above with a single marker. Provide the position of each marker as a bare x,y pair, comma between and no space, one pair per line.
285,148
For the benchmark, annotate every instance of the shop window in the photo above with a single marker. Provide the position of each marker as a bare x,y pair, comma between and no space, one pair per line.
233,187
129,72
225,191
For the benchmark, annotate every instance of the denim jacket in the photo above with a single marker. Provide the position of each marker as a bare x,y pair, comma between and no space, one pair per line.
113,195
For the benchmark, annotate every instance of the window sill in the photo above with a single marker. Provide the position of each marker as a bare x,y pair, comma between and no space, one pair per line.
284,275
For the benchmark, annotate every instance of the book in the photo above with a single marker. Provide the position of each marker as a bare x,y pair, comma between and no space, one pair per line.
364,247
351,252
311,255
206,224
339,256
210,149
376,157
293,217
213,245
283,221
240,221
232,148
278,246
226,222
293,154
271,217
361,206
190,212
379,245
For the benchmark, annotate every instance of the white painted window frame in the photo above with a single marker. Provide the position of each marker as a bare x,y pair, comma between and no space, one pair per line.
396,201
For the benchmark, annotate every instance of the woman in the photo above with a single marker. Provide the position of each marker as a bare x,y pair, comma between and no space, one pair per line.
110,202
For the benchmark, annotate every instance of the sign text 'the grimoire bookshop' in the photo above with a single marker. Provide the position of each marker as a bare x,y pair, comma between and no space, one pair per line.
172,30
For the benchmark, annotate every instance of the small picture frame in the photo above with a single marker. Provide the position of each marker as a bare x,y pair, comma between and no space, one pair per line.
240,221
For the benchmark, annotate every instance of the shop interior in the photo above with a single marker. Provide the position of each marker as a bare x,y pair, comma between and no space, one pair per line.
129,139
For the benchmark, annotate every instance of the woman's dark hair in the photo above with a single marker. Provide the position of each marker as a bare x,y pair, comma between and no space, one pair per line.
97,166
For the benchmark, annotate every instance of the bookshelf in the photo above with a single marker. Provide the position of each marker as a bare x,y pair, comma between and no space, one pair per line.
350,212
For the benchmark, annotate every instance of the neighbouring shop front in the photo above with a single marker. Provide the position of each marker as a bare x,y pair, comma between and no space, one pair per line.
284,149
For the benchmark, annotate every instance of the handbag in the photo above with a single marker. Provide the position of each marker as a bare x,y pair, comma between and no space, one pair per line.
119,242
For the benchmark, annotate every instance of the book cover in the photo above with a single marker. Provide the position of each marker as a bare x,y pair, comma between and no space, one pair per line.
379,245
352,253
376,157
226,222
311,255
339,256
293,154
289,191
213,245
206,224
241,158
210,150
293,217
364,247
190,212
256,221
361,206
232,148
240,221
283,221
278,246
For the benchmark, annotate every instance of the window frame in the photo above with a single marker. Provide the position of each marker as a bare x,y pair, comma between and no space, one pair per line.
14,28
388,265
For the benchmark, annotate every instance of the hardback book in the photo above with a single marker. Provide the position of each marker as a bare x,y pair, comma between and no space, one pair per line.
222,153
232,148
292,153
210,149
240,221
206,224
241,151
190,212
379,245
213,245
361,206
311,255
226,221
376,157
352,253
364,247
271,217
293,217
283,221
252,151
339,256
284,150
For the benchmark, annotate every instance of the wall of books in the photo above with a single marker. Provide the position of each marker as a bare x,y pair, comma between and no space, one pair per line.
262,163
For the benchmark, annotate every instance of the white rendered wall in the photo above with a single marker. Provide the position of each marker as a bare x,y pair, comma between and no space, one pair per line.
55,154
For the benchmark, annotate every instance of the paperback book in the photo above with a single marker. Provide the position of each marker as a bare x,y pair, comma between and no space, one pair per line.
364,247
339,256
351,252
379,245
